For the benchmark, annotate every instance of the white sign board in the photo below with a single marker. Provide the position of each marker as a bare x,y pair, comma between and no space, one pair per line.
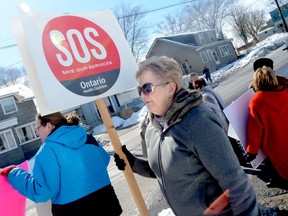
74,59
238,113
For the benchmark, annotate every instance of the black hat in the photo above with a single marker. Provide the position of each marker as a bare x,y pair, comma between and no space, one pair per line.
259,63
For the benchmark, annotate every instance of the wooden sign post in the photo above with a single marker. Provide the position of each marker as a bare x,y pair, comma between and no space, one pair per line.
130,178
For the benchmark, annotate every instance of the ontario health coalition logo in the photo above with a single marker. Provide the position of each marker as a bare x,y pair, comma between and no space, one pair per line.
81,55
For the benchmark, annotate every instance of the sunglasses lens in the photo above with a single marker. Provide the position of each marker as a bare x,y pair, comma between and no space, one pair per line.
146,89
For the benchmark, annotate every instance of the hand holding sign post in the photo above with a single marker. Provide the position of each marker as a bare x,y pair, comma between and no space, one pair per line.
117,147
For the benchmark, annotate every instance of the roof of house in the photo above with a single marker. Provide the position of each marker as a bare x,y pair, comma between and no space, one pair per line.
185,39
265,28
170,40
20,91
192,33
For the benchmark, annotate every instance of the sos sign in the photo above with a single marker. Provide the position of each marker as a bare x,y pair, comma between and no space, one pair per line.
81,55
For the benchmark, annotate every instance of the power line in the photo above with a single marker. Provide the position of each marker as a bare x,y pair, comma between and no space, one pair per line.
157,9
8,46
144,12
7,39
15,63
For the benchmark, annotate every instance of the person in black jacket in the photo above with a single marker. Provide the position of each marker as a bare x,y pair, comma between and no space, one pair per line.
207,74
259,63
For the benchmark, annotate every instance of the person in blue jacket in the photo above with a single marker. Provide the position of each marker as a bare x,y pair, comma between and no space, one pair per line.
70,168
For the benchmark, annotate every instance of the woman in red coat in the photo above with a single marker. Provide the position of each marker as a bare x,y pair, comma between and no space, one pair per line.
268,123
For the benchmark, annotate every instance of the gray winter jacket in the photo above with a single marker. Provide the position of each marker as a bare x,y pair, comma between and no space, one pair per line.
194,167
216,104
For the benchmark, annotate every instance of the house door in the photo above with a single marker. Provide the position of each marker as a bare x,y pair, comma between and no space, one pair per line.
185,68
109,105
215,57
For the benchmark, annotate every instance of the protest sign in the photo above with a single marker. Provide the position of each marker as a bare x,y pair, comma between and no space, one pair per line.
12,203
237,113
76,59
73,59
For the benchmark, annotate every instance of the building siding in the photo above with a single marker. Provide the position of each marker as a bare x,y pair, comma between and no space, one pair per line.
186,50
25,115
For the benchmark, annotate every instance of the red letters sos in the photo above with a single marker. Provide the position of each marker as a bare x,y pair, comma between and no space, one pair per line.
79,53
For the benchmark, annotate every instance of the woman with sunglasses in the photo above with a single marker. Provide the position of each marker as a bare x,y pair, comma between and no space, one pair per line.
70,168
188,150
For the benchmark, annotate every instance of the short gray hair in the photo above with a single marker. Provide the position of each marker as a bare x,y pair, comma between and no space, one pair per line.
167,69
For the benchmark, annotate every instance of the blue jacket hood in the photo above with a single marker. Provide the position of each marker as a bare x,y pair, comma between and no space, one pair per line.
66,168
70,136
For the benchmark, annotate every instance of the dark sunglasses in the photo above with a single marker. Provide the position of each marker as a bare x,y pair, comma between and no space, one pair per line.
147,88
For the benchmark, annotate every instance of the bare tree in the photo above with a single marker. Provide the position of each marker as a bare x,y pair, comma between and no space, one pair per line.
25,79
131,20
9,76
173,24
209,14
246,23
197,15
256,20
238,22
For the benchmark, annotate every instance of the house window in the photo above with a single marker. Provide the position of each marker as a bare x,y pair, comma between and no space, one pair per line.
203,56
215,56
9,105
185,68
211,37
201,39
225,50
210,54
26,133
7,140
127,98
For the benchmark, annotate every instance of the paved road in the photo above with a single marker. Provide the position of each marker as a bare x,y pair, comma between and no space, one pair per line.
234,85
231,88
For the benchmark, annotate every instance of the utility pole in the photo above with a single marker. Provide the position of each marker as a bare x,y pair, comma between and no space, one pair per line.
282,17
